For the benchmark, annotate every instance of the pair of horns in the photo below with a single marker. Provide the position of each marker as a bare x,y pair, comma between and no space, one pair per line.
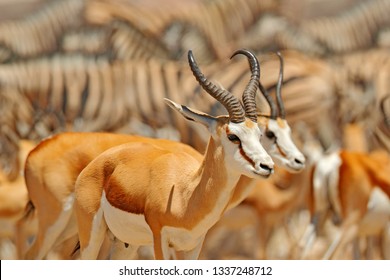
236,112
279,101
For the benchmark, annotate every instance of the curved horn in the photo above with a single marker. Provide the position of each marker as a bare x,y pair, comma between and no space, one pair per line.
279,101
228,100
248,96
269,100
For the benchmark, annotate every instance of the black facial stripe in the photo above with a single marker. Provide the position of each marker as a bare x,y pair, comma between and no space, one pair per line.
246,157
280,150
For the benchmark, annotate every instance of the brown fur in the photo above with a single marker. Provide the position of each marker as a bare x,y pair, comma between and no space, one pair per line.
148,159
359,174
68,154
281,122
250,123
53,166
179,192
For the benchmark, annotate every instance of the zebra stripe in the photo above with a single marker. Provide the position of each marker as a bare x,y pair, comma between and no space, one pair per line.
94,94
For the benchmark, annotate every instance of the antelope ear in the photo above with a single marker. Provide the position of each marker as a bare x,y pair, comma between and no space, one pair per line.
192,114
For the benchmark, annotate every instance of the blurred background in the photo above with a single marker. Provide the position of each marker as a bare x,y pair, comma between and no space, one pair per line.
105,65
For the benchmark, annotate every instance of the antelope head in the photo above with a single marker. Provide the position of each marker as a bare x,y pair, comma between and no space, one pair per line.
238,133
278,139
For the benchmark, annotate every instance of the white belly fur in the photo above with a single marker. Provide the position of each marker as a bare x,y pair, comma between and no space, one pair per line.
133,229
127,227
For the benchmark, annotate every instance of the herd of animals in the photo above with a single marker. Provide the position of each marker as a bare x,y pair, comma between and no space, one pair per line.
223,129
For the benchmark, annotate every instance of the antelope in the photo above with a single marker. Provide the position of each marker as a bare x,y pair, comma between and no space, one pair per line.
277,198
369,188
278,143
355,187
148,195
51,187
272,201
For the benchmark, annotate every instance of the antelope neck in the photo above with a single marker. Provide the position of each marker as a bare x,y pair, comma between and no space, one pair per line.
213,184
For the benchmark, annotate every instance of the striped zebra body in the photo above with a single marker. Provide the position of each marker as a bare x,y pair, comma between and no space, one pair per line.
356,28
363,84
82,87
210,26
40,31
61,26
79,93
119,40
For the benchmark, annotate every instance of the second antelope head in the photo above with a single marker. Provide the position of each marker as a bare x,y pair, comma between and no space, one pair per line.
278,139
238,133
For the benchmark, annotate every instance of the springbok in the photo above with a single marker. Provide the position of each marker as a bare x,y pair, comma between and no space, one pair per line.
51,187
279,144
354,187
148,195
278,141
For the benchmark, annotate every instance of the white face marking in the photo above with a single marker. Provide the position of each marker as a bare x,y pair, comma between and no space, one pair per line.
255,156
281,147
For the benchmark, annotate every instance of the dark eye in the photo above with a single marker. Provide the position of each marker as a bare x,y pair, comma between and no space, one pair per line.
234,138
270,134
